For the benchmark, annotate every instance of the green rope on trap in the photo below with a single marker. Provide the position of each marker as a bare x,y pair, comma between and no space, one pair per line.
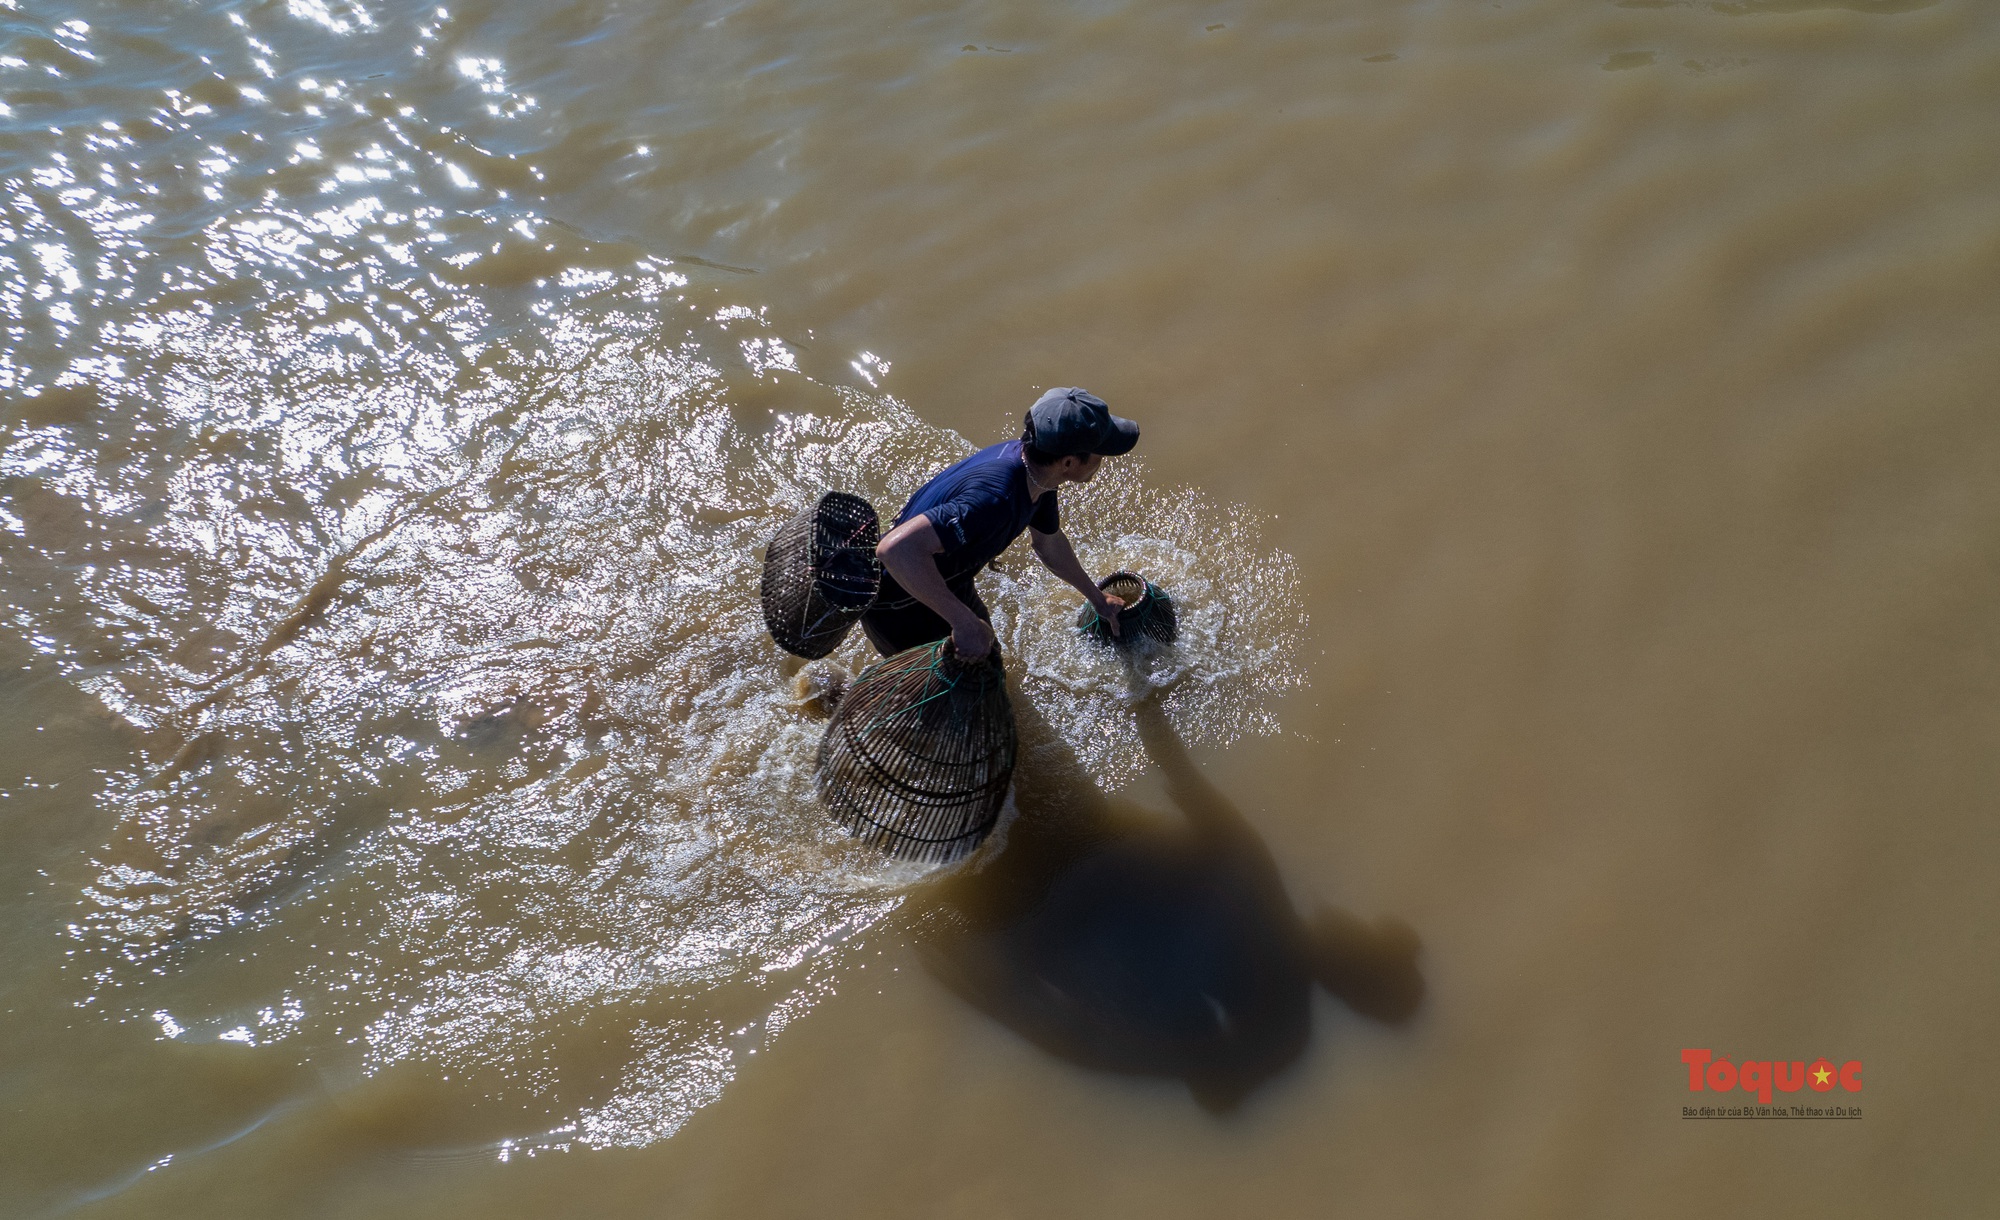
936,671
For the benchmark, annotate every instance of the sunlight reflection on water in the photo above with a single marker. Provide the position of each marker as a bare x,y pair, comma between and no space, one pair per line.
420,537
452,658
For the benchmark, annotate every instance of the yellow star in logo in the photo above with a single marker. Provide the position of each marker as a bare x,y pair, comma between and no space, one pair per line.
1822,1075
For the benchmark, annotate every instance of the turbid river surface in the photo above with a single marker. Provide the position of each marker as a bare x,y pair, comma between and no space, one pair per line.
1570,434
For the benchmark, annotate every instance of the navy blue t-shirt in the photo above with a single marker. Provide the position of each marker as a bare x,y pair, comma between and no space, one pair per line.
979,506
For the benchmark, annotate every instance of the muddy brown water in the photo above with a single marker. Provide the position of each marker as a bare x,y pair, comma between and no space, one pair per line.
1568,439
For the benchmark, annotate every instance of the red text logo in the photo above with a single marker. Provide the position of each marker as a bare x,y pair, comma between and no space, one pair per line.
1760,1076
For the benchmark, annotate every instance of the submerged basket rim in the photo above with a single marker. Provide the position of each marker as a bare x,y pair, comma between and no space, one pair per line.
1152,615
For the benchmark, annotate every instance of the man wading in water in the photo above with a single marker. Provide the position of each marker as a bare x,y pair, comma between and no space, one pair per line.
970,512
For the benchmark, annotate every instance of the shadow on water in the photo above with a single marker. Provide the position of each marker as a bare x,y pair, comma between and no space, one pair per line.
1123,944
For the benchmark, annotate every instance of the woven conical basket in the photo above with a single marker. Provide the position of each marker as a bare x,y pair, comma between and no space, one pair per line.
919,753
1148,612
821,574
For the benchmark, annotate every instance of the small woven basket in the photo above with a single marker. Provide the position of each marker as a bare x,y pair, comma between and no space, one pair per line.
821,574
919,753
1148,612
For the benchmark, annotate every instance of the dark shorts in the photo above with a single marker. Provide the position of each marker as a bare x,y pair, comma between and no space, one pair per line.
907,622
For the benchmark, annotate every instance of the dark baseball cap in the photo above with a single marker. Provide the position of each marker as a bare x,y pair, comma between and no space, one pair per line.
1071,421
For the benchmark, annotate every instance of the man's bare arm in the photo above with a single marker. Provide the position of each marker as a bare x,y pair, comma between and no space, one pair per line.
910,553
1059,557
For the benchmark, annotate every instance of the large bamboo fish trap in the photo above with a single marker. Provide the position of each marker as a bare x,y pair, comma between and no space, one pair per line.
1148,612
919,753
821,574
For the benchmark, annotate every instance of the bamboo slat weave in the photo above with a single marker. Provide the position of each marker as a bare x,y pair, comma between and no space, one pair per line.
821,574
919,753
